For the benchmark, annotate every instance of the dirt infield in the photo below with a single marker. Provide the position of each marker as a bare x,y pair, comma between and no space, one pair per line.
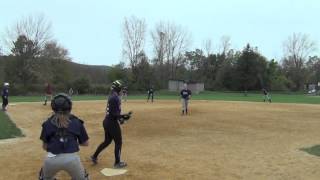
217,141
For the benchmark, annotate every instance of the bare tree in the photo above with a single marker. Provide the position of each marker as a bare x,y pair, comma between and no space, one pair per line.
170,42
158,41
55,51
296,50
133,39
207,45
34,27
225,44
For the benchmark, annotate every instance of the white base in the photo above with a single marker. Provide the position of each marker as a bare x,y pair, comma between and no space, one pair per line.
112,171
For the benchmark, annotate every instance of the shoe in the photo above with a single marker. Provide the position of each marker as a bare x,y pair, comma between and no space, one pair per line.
119,165
94,160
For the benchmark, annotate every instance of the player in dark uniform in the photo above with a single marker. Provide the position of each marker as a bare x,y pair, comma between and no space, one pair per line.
185,94
150,94
124,94
48,93
61,134
112,130
70,92
5,96
267,96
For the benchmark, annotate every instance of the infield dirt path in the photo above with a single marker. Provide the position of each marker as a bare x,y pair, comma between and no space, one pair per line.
217,141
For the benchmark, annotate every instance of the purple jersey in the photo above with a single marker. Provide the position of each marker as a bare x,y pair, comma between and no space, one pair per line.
114,107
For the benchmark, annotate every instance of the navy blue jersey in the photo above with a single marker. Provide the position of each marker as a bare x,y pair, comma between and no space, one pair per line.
150,91
64,140
185,93
5,92
113,107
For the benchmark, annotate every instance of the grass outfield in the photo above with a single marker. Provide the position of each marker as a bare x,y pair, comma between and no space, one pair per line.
7,128
208,95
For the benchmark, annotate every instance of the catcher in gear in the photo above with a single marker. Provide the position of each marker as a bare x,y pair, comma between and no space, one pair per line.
61,134
111,125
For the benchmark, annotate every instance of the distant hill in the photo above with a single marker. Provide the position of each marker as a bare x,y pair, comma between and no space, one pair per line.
97,74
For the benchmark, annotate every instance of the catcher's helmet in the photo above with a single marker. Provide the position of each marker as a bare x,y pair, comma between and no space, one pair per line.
117,85
61,103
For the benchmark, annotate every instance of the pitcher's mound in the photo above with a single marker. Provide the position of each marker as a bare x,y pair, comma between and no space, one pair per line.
113,172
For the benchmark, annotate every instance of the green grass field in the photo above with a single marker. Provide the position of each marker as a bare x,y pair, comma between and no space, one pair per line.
7,128
207,95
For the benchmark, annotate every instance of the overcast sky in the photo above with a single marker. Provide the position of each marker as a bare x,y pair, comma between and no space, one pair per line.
91,29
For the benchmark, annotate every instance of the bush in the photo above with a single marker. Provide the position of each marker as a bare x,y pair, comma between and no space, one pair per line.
100,89
82,85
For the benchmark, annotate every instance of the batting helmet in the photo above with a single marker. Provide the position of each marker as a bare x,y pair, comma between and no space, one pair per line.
6,84
117,85
61,103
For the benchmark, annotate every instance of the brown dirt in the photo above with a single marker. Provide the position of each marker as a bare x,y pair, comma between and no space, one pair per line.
218,140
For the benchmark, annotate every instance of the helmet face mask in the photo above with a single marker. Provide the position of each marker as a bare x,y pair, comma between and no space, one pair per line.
61,103
117,86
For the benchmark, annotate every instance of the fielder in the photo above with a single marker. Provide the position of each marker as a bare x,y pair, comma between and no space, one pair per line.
266,95
61,134
5,96
111,125
70,92
48,93
150,94
124,94
185,96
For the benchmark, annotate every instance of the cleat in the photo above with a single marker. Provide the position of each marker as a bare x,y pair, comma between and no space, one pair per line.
119,165
94,160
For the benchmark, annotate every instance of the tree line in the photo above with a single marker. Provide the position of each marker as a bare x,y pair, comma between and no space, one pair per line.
227,69
35,57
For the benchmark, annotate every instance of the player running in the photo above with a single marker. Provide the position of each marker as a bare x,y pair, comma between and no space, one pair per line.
112,130
266,96
185,94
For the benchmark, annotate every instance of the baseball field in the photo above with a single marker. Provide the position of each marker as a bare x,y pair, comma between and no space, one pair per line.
219,140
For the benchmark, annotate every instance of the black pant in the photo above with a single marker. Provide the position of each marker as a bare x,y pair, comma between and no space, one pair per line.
112,131
150,94
4,102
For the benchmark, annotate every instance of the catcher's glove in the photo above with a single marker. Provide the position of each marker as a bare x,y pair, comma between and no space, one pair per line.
125,117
